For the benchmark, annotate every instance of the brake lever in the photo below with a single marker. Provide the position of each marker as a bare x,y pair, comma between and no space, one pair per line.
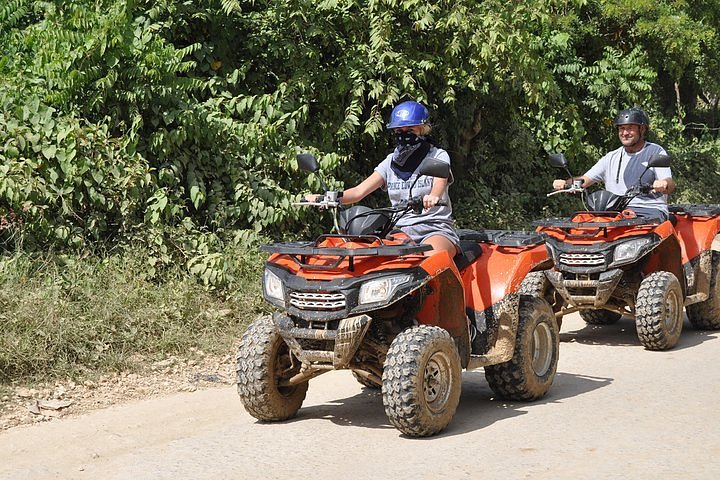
571,189
321,204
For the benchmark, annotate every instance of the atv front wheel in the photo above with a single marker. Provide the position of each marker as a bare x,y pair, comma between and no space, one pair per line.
659,311
536,284
531,371
705,315
599,317
264,363
421,381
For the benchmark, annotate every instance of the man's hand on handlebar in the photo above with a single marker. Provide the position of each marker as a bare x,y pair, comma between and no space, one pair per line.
660,186
559,184
571,185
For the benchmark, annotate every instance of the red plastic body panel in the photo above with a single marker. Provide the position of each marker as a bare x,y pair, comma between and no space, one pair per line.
498,272
696,234
444,303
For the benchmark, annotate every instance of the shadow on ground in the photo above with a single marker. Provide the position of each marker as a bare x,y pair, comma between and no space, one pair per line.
478,407
624,333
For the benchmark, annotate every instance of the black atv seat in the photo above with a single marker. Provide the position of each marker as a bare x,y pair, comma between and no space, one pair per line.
469,251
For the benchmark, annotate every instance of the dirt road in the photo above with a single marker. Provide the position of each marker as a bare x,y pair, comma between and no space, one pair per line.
614,411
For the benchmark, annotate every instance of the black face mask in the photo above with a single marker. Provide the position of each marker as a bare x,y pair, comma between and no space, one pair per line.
407,139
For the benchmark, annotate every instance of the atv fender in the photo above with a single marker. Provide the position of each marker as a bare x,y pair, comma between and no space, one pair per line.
444,306
506,313
667,257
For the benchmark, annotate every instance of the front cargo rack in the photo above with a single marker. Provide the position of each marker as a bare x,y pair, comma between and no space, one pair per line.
299,251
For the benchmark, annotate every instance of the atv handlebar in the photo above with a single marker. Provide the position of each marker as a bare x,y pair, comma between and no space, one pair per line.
331,199
321,204
574,187
393,213
640,189
416,204
568,189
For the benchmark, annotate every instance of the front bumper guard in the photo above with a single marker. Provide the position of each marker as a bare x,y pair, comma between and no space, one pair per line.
347,338
603,287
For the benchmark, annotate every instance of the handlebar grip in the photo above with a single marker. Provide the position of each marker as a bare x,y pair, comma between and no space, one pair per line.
441,204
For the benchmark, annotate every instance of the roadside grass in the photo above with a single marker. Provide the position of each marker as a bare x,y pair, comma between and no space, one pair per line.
79,317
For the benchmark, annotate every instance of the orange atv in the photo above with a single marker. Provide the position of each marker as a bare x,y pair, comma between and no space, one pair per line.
609,263
369,300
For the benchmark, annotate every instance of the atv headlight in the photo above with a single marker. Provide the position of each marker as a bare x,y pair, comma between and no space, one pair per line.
273,286
382,289
628,251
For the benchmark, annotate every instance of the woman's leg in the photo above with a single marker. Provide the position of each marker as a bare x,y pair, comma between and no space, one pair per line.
440,242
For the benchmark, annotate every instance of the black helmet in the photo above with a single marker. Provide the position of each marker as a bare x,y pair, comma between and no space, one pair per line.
632,116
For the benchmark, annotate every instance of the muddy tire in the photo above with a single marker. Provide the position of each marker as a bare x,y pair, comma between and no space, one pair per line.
705,315
365,382
659,311
536,284
599,317
263,361
421,381
531,371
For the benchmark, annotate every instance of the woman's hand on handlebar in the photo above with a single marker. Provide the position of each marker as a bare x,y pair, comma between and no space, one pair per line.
429,201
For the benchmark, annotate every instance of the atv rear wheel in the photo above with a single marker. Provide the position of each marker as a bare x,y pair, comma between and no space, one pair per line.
599,317
705,315
659,311
264,361
421,381
536,284
531,371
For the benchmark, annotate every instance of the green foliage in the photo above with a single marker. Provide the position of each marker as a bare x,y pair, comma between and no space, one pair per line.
65,316
173,125
64,181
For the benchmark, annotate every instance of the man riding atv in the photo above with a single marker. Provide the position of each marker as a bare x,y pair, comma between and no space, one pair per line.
621,168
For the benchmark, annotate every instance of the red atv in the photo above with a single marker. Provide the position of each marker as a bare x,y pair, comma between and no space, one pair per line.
609,263
367,299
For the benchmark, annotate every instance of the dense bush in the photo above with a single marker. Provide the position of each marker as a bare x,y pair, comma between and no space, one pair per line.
173,125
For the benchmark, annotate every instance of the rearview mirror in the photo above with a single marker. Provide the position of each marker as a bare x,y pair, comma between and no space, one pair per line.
659,161
558,160
433,167
307,162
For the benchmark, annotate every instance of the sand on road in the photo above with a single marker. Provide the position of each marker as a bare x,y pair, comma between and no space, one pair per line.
615,410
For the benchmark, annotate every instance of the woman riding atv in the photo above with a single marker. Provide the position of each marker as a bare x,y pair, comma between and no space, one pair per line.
409,122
